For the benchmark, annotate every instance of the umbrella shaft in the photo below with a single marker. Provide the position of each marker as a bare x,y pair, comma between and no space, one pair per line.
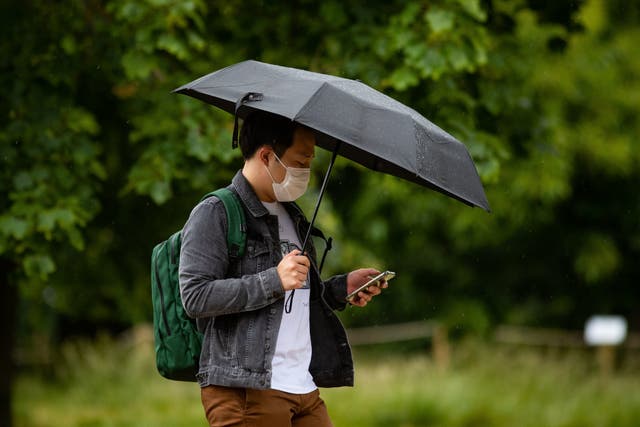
322,189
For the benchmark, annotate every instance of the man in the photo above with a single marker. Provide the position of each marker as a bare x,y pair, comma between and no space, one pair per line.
271,337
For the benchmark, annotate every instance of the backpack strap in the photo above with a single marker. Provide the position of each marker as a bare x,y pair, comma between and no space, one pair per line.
237,230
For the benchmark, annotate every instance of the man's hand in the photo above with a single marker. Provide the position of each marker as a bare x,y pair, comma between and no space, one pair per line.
359,277
293,270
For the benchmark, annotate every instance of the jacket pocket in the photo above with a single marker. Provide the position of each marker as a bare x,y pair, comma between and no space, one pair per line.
224,336
238,338
257,257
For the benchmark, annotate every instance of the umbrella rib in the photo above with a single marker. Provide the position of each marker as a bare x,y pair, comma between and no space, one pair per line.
228,85
311,97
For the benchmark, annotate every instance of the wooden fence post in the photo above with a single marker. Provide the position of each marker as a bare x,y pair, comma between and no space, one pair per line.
441,349
606,357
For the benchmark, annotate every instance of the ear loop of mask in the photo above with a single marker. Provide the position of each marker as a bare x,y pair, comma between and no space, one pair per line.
281,164
269,172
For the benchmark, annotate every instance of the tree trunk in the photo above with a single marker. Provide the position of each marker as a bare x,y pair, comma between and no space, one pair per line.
8,303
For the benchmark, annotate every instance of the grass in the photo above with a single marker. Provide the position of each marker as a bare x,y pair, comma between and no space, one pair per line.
114,383
485,387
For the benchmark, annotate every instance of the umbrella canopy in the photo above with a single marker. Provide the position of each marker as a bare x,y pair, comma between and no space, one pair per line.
353,119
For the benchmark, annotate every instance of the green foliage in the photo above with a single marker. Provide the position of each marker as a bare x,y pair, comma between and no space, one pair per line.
48,148
550,132
179,138
431,39
100,160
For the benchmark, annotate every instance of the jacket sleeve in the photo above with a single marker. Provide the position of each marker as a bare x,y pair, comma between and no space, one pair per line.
336,292
204,261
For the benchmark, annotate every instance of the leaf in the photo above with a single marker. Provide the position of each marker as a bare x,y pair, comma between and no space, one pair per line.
597,258
472,7
409,14
440,20
197,145
160,192
79,120
403,78
174,46
68,44
50,218
14,227
137,65
23,181
38,265
433,64
458,58
75,238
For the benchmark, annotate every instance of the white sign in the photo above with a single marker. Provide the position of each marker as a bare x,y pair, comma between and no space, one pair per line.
605,330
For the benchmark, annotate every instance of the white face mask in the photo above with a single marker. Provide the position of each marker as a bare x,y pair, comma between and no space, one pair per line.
293,185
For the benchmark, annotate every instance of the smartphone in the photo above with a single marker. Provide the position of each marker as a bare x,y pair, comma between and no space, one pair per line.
375,281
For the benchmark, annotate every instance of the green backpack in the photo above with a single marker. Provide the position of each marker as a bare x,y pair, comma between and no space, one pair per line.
177,339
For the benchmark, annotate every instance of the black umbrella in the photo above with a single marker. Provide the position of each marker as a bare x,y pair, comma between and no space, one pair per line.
353,119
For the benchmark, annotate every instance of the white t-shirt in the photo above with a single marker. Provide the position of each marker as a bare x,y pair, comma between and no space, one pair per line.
290,366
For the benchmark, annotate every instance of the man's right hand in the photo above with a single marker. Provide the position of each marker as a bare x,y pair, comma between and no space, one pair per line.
293,270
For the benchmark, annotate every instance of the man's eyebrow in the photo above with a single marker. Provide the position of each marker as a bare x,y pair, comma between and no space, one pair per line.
306,155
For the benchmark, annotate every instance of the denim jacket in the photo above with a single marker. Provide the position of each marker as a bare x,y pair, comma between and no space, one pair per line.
238,304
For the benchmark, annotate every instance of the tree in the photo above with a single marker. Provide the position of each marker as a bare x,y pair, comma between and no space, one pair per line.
50,169
560,243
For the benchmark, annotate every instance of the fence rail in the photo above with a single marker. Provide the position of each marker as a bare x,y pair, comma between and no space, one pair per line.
404,332
503,334
510,335
543,337
392,333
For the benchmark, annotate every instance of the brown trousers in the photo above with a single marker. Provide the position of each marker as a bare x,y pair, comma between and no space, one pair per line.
227,406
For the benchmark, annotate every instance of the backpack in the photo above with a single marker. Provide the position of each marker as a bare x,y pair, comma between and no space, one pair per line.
177,339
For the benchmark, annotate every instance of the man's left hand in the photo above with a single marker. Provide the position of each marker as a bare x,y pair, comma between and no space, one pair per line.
359,277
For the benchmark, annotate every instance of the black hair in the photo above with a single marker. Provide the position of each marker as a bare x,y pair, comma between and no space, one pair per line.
261,128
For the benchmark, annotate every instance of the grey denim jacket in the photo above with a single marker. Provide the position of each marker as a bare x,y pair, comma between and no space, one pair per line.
238,304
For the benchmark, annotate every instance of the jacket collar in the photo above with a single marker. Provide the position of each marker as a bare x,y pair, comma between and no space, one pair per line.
248,195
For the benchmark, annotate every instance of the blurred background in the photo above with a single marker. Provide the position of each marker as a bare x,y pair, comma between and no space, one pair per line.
483,325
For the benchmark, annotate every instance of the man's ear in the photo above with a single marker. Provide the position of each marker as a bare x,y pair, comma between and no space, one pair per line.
263,154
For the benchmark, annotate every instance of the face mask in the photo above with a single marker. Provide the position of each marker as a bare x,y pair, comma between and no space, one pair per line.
293,185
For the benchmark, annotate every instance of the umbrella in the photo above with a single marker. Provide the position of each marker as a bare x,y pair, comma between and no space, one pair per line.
353,120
